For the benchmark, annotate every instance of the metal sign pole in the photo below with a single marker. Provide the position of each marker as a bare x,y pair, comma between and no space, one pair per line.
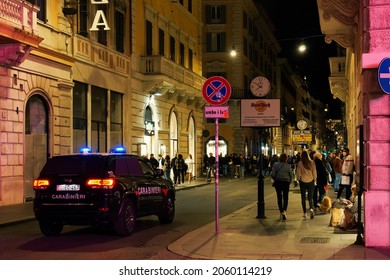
216,178
260,183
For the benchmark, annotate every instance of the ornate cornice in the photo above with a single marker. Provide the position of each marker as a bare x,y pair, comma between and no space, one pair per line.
338,20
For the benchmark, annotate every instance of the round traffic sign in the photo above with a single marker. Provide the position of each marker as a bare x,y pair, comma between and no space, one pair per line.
216,90
384,75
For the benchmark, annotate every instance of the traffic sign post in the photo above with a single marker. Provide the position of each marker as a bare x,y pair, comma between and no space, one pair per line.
216,91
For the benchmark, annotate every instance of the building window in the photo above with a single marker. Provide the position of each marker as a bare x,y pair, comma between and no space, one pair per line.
182,54
190,6
80,91
244,20
149,38
42,8
82,18
216,42
215,14
245,47
161,42
190,59
120,31
98,119
172,48
250,52
255,34
116,119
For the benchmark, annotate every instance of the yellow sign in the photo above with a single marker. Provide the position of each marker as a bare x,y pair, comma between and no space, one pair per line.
301,136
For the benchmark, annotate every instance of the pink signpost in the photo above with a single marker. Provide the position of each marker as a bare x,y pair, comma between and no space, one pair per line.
216,91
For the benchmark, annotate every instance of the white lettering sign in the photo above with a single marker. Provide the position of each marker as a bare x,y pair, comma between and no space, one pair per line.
96,22
100,18
214,112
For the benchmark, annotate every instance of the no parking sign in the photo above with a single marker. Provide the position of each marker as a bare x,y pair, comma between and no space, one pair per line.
216,90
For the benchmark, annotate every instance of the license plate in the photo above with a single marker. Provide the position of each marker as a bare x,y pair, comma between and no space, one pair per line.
68,187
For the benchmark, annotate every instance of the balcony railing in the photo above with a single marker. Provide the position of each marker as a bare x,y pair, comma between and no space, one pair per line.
97,54
21,15
154,65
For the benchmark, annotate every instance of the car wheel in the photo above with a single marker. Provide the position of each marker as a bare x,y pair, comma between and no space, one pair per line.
125,223
50,228
168,212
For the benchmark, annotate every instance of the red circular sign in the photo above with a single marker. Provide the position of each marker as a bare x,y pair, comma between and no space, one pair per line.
216,90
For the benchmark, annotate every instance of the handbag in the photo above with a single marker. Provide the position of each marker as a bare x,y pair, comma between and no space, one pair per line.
329,178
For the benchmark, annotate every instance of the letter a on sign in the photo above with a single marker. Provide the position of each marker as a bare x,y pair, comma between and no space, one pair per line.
100,19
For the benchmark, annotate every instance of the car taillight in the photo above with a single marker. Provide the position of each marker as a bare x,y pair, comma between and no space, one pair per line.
101,183
41,184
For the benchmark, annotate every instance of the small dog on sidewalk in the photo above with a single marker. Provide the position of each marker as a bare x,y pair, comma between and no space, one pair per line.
326,205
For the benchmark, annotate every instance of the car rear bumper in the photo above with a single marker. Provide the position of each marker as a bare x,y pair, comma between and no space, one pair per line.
75,214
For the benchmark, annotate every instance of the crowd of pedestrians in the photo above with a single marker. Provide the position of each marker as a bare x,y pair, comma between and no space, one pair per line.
313,172
310,170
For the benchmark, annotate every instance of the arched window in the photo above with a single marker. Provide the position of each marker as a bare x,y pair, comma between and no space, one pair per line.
36,140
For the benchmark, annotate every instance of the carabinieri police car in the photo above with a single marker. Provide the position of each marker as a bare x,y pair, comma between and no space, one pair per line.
101,188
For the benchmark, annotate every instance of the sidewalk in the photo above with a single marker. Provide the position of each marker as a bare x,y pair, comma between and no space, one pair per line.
242,236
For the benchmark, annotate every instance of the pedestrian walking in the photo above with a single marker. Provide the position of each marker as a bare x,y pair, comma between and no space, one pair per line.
167,168
306,175
282,175
175,170
190,167
347,175
153,161
180,168
337,167
321,182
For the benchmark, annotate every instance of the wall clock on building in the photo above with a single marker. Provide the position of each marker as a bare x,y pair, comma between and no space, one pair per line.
260,86
302,124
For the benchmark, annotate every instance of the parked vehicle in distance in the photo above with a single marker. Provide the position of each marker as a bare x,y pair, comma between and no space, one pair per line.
100,188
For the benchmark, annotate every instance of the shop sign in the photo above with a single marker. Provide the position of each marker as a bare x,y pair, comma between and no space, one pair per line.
216,112
149,128
302,136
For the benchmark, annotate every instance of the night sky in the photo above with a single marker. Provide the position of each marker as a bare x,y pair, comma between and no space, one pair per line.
296,21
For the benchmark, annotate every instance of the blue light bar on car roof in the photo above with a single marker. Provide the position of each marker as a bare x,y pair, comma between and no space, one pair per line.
85,150
118,150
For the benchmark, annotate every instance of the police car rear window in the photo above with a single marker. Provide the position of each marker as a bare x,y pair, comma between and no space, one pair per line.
78,164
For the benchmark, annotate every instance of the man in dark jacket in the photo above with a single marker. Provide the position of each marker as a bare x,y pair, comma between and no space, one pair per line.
153,161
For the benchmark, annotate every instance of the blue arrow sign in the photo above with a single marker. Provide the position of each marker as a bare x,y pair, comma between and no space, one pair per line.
384,75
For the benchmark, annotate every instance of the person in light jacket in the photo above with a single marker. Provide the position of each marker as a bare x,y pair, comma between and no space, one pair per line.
282,175
306,175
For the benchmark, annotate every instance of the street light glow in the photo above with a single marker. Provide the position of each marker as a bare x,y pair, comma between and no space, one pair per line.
302,48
